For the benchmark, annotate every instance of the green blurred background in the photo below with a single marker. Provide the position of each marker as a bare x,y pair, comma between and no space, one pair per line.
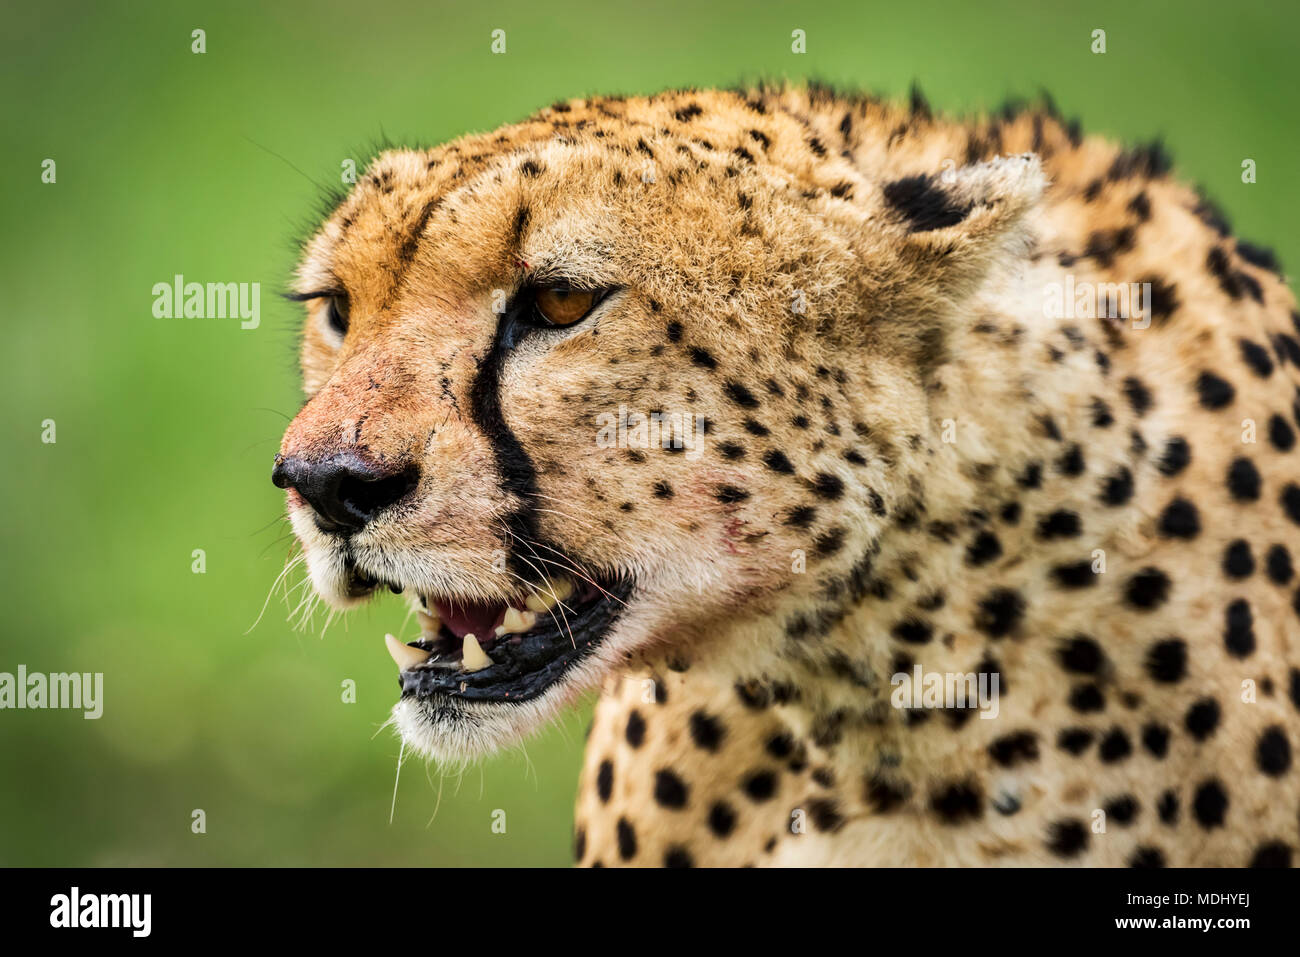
172,162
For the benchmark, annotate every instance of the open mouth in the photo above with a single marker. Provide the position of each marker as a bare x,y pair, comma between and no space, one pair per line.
507,651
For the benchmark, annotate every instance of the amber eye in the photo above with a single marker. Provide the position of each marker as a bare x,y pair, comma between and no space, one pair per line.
562,306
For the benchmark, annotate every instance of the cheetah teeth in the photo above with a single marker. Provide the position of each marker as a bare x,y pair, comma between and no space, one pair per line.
429,624
516,622
549,595
473,657
406,656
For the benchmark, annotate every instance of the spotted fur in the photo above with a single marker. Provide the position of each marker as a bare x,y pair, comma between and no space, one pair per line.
916,467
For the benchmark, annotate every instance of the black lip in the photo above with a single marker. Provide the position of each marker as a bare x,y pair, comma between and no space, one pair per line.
542,657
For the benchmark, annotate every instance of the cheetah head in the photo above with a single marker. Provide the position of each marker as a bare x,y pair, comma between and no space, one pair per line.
580,387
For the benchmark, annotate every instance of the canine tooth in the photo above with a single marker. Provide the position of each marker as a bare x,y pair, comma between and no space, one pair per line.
549,595
429,624
473,657
405,656
516,622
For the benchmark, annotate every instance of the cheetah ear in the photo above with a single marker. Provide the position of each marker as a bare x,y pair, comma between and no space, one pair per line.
946,232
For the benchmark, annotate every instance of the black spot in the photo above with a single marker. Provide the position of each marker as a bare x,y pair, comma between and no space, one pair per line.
1071,462
1101,414
1122,810
1117,489
1291,502
674,331
829,542
1067,838
1081,655
1166,660
703,358
1074,740
1260,256
883,795
706,731
626,839
1147,589
1032,477
825,815
1062,523
579,844
635,733
760,785
984,549
1281,434
690,111
1214,392
780,746
1232,281
1000,612
1280,569
775,460
801,516
1167,808
1087,699
722,819
670,790
677,856
1147,161
1273,752
1015,748
923,204
1115,746
740,395
1180,519
1210,804
663,490
958,802
731,451
1175,457
1239,629
1202,719
1074,575
1238,561
605,781
730,494
1147,857
913,630
1256,357
1243,480
1138,395
1155,738
1271,854
827,486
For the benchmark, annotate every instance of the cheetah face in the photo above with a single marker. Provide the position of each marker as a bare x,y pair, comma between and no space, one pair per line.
488,325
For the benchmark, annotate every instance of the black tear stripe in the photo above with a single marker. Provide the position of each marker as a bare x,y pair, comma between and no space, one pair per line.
518,473
923,204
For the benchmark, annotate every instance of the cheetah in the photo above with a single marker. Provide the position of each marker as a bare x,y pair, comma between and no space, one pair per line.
965,532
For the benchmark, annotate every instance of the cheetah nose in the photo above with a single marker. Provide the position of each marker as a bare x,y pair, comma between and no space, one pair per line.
345,492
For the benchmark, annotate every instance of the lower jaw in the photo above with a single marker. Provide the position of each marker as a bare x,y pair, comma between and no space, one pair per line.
528,666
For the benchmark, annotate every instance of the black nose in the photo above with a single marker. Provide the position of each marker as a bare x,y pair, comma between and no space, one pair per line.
345,492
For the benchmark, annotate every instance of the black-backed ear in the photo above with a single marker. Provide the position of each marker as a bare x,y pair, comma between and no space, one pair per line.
945,231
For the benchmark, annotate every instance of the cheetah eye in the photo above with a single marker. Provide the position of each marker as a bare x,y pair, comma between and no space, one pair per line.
563,305
336,313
